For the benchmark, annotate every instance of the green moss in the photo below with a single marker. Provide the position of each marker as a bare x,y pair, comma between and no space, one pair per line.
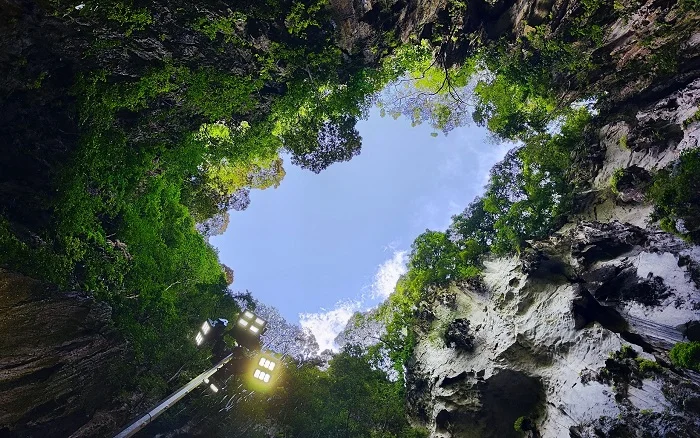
38,81
623,142
131,19
686,355
694,118
615,179
523,424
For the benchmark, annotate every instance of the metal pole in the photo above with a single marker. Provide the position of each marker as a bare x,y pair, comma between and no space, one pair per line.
168,402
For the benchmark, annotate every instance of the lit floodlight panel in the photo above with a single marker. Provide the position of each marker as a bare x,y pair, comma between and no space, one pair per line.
199,338
205,327
214,388
260,375
254,329
267,363
243,323
259,321
248,315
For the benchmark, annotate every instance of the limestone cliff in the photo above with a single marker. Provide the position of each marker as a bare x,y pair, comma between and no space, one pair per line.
545,336
544,328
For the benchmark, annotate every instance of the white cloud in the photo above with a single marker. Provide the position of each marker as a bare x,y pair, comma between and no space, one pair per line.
327,325
388,274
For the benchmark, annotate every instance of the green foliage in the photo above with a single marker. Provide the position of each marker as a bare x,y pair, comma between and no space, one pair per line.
676,197
648,366
41,261
690,5
625,352
438,260
422,91
302,16
398,313
316,120
686,355
511,110
226,26
665,62
530,191
351,398
129,18
166,145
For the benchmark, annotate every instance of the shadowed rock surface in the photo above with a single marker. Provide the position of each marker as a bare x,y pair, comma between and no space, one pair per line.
57,350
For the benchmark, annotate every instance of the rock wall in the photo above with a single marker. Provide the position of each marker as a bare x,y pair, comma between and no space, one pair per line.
548,322
549,329
58,350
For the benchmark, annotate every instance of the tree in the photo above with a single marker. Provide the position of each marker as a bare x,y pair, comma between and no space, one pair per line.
335,140
425,92
440,259
475,224
228,272
215,225
285,338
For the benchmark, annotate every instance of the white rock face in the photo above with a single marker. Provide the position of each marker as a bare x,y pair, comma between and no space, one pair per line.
545,326
608,282
526,324
654,139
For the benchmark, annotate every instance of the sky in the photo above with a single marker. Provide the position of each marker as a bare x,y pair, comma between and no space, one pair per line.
322,246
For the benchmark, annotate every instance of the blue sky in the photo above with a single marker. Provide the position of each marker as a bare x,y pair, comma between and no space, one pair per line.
321,246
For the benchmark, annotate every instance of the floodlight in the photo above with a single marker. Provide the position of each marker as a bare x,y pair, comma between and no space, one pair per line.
248,329
205,327
265,370
206,380
199,338
266,363
261,375
214,388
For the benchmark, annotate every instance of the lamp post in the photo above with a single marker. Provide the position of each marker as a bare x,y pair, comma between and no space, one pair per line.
171,400
247,332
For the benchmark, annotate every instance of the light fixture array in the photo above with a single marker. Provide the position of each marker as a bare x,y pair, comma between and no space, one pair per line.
264,369
251,322
199,338
261,375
